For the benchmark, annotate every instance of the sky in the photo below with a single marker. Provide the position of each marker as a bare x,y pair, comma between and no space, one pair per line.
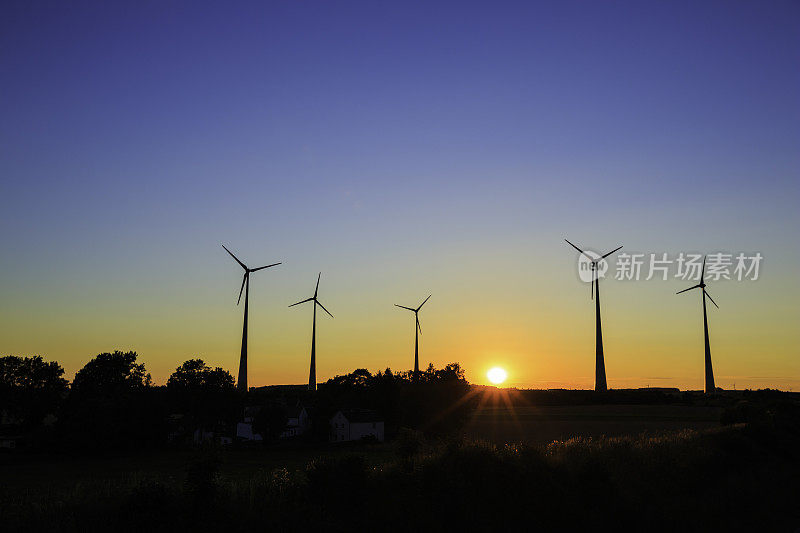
402,149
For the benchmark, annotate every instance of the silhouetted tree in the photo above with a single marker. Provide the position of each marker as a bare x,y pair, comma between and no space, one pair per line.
30,388
437,402
111,404
359,377
206,395
195,375
434,403
451,372
110,375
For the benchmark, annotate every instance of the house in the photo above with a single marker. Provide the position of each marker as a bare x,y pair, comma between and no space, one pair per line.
297,422
244,429
356,424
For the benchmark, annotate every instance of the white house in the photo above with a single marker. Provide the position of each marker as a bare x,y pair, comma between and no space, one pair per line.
244,429
356,424
297,422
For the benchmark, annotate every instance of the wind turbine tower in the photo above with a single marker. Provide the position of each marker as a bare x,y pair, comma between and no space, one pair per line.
241,383
312,374
599,364
710,388
417,333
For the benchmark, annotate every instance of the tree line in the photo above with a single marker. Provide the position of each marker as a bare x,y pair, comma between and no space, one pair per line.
112,402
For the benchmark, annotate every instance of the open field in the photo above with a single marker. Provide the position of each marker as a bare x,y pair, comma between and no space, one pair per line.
689,472
534,425
730,478
168,466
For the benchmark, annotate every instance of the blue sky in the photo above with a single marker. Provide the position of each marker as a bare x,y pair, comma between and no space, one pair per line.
399,147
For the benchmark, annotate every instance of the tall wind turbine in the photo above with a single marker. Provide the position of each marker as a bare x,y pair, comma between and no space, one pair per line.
600,364
710,389
417,333
242,381
312,374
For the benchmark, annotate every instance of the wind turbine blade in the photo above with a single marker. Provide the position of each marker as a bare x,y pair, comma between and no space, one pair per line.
579,250
611,252
317,288
690,288
244,279
302,302
591,292
236,258
703,272
267,266
710,298
419,327
323,307
404,307
423,303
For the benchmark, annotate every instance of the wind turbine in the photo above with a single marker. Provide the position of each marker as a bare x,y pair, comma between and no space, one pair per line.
710,389
417,333
312,375
600,364
242,381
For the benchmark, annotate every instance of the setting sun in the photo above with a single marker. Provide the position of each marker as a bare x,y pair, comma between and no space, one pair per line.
496,375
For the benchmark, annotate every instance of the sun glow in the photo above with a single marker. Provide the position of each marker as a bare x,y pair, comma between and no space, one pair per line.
496,375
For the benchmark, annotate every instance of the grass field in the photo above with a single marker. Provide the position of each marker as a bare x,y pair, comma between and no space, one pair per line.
534,425
57,473
500,425
688,472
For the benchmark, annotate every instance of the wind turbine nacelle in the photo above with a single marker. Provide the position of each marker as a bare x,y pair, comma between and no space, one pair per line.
591,269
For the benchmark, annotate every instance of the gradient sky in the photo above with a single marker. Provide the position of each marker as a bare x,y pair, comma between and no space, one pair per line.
401,148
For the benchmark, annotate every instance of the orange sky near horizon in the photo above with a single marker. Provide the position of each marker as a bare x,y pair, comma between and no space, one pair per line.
545,340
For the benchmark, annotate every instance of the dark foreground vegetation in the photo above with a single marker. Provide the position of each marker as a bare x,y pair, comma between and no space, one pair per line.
91,460
738,477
